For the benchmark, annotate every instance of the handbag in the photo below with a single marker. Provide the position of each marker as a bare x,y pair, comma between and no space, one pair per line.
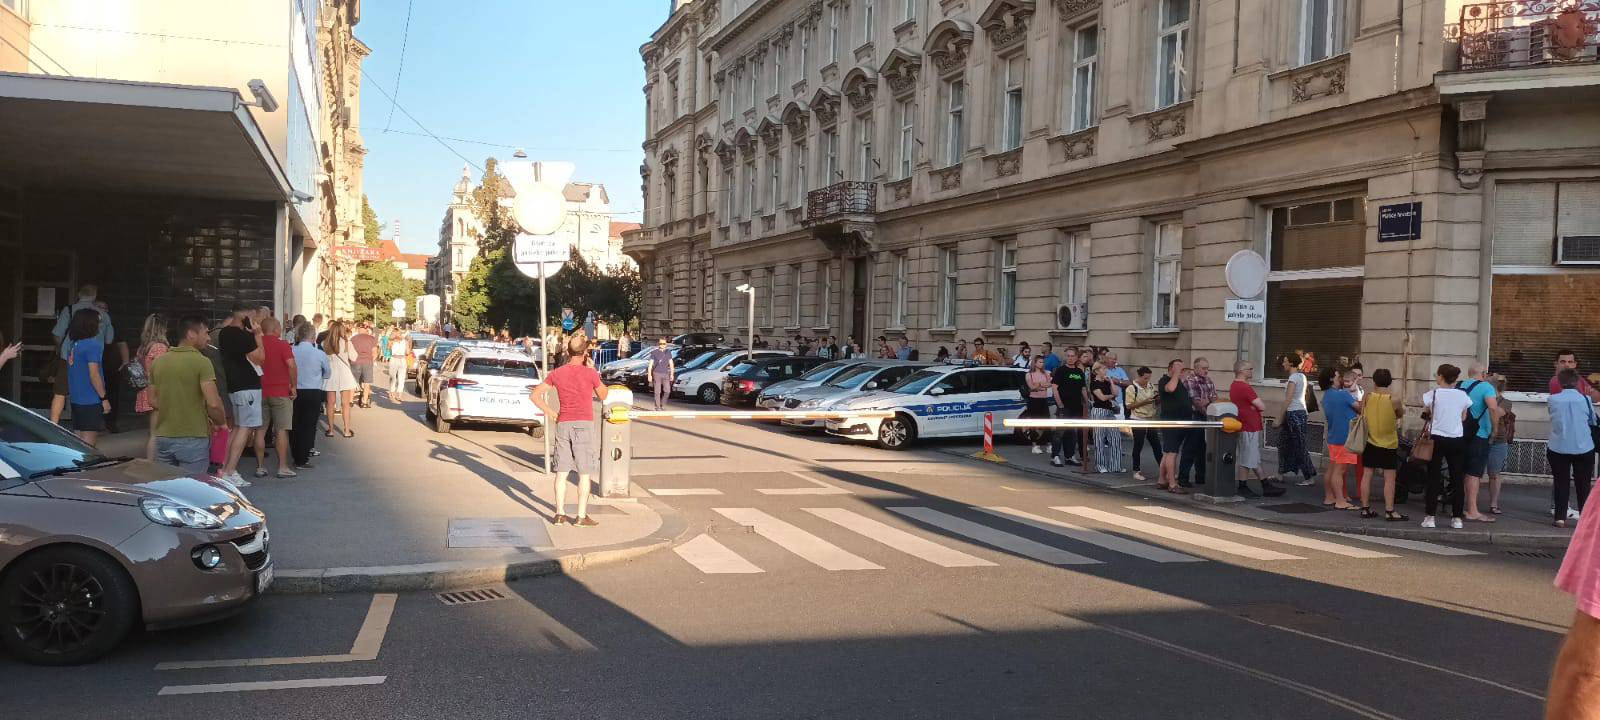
1422,449
1356,440
134,376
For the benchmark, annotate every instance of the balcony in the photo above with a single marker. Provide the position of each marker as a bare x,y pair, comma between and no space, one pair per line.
1513,34
851,198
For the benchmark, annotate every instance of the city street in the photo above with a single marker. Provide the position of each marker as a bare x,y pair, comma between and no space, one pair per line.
814,578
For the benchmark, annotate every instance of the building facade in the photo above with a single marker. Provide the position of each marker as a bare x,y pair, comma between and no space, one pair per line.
1080,171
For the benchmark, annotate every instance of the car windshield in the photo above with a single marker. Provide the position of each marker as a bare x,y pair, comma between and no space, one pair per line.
702,359
852,378
916,382
726,360
826,370
745,369
441,350
643,353
32,445
501,367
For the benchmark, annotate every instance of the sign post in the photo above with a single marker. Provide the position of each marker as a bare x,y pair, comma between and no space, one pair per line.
399,309
1247,279
539,209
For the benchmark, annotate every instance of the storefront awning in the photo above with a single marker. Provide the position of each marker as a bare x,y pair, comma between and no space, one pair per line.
63,133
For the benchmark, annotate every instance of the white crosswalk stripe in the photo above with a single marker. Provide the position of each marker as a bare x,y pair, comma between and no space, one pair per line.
1404,544
899,539
714,558
814,549
1184,536
1260,533
1092,537
990,536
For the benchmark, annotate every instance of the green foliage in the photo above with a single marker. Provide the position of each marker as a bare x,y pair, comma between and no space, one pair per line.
499,230
377,286
369,218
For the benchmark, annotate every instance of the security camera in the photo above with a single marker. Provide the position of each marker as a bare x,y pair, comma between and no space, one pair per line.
264,99
744,287
303,197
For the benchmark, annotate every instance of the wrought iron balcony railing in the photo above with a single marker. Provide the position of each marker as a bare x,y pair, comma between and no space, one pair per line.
1526,33
851,197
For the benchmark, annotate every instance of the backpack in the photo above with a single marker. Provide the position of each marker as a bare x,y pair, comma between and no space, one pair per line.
1472,423
134,376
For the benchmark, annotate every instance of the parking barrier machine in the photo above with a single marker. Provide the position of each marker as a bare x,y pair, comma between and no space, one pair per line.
616,443
1222,445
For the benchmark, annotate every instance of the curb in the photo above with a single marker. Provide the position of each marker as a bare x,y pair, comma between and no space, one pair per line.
1509,540
453,575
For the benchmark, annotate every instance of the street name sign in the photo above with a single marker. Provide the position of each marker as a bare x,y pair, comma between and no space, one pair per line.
1399,222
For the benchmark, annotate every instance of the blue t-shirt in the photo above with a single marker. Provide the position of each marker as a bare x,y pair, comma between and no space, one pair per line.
79,388
1339,407
660,362
1051,362
1480,393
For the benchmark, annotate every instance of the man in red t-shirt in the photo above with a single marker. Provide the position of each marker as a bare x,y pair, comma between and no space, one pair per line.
576,446
1250,408
1568,359
279,375
366,347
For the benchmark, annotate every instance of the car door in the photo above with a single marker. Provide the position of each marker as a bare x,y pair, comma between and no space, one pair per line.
948,408
998,392
437,379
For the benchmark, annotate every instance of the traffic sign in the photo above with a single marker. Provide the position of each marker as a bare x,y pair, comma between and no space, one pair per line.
531,252
398,308
1247,274
1245,311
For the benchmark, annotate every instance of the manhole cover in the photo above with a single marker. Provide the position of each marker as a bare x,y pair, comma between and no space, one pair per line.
468,597
498,532
1295,508
1532,554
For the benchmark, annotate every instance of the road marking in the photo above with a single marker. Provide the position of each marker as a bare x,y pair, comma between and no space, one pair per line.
1416,545
668,492
714,558
272,685
899,539
1315,693
1260,533
1093,537
819,488
369,640
814,549
1193,538
990,536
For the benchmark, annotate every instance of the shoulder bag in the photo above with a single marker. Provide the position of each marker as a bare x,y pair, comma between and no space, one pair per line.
1356,440
1422,449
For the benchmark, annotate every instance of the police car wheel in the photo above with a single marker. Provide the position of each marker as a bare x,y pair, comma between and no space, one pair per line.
536,431
710,395
896,433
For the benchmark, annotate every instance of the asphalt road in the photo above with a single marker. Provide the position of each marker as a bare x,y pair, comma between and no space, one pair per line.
826,580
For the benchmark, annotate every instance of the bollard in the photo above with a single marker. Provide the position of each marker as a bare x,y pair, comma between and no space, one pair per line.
988,441
1222,482
616,445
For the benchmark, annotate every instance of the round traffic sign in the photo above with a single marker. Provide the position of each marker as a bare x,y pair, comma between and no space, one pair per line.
1247,274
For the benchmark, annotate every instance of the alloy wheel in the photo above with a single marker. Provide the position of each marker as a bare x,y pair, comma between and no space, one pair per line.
58,610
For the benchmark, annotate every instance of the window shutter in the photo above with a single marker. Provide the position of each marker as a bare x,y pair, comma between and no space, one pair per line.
1579,209
1522,223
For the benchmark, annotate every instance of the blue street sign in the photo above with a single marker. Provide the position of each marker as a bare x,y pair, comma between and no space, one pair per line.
1400,222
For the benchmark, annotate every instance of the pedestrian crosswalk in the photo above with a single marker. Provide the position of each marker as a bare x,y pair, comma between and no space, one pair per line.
986,537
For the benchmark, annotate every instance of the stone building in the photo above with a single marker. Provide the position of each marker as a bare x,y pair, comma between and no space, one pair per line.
1080,171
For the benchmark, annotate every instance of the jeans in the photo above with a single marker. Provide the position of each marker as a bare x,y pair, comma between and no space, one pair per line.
1453,451
1569,470
1192,455
1063,442
1140,436
1293,456
189,454
663,390
307,408
397,376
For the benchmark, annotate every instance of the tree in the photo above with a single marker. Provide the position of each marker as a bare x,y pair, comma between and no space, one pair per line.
377,286
499,230
471,308
369,218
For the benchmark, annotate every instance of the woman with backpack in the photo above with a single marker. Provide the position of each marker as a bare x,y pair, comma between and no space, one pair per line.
152,345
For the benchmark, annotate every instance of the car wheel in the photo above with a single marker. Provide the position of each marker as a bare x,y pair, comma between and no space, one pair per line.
710,394
896,433
427,410
440,425
536,431
66,606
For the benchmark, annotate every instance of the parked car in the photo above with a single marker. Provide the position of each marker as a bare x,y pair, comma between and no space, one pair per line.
91,546
748,378
939,401
774,395
419,345
630,370
484,385
697,339
690,352
705,383
863,377
431,359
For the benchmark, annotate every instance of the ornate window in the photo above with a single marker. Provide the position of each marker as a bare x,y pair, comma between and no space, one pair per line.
1081,111
954,127
901,287
750,208
1172,40
1005,290
869,13
774,181
805,53
866,164
1012,77
794,295
800,182
1165,290
834,11
728,209
1322,29
830,157
905,147
948,281
1075,275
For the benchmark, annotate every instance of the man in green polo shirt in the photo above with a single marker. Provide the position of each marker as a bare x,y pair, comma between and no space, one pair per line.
183,387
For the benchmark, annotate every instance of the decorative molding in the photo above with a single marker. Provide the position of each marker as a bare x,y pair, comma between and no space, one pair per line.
1078,145
1006,21
948,178
900,70
1318,79
794,215
1167,122
669,157
1472,113
795,117
1007,163
948,44
901,189
825,105
861,87
769,221
771,131
1071,9
864,52
703,143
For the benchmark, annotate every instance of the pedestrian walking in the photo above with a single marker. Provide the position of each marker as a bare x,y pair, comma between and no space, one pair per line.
185,401
1339,407
240,344
659,373
1293,455
86,382
1174,404
366,349
399,350
152,345
1040,392
1479,427
1140,399
1103,406
311,377
1505,433
576,447
1071,391
1571,448
1382,453
87,295
341,383
279,387
1249,409
625,345
1444,409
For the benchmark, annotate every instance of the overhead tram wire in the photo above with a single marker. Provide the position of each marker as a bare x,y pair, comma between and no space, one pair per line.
396,105
405,39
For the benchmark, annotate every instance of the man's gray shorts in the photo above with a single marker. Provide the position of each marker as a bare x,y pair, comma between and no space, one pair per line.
575,448
363,373
1248,453
189,454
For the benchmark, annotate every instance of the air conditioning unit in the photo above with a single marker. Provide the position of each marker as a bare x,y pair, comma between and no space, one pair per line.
1578,250
1071,316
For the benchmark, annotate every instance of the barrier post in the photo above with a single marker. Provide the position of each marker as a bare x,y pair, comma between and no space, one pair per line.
988,441
616,444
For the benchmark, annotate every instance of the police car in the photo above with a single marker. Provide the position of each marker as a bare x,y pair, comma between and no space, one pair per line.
940,401
484,385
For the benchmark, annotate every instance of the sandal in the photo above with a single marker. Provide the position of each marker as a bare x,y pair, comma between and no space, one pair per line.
1178,490
1495,510
261,472
1393,516
1561,523
328,433
349,433
1367,512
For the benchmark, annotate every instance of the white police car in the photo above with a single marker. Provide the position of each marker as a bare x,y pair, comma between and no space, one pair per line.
484,385
940,401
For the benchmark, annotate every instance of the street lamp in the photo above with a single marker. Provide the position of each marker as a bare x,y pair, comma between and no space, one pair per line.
749,320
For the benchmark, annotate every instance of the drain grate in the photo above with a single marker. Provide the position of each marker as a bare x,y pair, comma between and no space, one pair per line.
468,597
1532,554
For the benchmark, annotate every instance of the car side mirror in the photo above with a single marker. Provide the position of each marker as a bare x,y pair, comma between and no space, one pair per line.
936,391
872,385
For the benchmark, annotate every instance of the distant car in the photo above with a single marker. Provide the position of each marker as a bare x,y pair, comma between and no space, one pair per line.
419,345
774,395
484,385
697,339
690,352
630,370
705,383
92,546
864,377
747,379
431,359
939,401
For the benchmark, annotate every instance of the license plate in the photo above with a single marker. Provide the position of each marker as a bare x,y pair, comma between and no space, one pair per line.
263,579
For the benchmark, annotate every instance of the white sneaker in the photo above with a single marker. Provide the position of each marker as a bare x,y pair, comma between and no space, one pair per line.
1427,522
1038,450
1455,523
236,480
1572,514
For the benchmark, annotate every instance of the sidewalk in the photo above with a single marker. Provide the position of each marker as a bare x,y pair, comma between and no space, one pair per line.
399,507
1525,524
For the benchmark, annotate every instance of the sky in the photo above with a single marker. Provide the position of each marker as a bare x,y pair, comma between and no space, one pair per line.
562,80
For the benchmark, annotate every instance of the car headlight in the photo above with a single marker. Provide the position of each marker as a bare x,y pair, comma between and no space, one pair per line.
175,514
810,404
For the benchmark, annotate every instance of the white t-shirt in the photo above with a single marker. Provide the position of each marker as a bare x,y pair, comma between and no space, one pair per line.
1297,391
1447,406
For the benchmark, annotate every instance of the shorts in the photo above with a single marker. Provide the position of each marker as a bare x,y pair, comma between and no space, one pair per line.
363,373
280,413
1340,456
1172,439
189,454
88,418
1498,452
1380,458
60,386
574,448
1248,454
246,408
1476,458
